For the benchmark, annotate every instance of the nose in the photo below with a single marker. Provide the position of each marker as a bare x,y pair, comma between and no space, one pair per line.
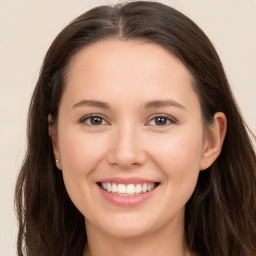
126,148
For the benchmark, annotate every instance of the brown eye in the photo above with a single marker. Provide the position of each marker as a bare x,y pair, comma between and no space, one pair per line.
160,121
94,120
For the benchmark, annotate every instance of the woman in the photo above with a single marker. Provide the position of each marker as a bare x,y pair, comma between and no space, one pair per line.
135,143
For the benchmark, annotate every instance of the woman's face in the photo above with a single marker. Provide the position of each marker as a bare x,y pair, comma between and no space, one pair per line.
129,122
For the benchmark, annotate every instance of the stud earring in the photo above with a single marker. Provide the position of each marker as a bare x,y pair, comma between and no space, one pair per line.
57,161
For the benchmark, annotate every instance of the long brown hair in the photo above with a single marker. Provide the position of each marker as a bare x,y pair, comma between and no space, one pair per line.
220,217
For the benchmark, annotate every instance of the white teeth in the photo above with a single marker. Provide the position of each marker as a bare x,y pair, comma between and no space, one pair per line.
144,188
138,188
150,187
127,190
121,189
114,188
130,189
109,187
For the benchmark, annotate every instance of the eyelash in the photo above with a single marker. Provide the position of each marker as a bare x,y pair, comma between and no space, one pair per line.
89,117
166,118
169,119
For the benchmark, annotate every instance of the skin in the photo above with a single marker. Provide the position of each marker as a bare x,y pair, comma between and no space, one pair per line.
129,142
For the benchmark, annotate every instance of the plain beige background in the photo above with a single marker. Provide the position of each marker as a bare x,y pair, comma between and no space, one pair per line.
27,29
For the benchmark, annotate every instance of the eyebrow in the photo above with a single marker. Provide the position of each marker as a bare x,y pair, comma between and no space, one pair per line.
163,103
92,103
150,104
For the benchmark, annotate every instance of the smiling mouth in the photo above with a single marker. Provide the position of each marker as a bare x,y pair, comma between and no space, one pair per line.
127,190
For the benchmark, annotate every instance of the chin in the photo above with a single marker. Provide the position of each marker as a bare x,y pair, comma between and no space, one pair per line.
128,228
126,232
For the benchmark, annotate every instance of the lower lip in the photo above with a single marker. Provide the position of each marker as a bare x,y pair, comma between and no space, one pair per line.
127,201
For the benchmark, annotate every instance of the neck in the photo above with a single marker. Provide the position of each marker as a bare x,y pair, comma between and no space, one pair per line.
160,242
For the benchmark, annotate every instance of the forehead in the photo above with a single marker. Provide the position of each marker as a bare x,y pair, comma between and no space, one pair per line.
105,54
124,68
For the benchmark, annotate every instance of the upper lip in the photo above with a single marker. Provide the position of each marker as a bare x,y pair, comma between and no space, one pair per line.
126,181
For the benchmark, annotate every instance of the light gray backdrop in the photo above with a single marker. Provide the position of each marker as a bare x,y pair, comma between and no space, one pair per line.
27,29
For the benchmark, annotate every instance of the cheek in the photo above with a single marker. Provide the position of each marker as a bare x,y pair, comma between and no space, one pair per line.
79,153
179,159
182,156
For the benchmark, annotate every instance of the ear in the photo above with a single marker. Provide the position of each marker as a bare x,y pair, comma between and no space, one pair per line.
213,140
54,138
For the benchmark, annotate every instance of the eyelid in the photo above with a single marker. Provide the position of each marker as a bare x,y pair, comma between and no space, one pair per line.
84,118
170,118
